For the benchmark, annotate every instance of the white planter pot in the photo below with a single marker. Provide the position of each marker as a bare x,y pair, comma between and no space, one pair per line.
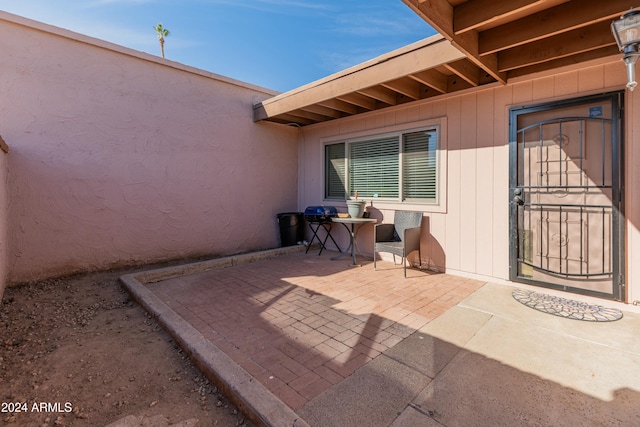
355,208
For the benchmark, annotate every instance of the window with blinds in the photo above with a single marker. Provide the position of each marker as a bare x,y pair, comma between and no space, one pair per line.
334,174
419,166
400,166
373,168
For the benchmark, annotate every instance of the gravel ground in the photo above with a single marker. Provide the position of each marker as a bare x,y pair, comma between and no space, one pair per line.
78,351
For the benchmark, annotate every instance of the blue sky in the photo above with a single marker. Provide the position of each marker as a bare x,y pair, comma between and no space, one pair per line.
277,44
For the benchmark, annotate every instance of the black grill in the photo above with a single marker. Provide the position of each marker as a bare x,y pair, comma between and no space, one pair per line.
320,214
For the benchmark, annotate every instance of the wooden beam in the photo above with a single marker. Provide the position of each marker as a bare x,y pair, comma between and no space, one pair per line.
290,119
303,113
567,61
338,105
456,83
433,79
259,112
439,14
550,22
405,86
381,94
419,56
474,13
466,70
565,44
323,111
360,100
488,63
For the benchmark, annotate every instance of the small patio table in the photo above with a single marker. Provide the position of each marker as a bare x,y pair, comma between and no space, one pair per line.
356,224
327,228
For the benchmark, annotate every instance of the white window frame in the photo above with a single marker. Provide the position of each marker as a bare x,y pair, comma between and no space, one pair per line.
438,124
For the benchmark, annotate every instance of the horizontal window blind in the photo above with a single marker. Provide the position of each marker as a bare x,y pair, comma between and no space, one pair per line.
374,168
419,166
334,171
402,167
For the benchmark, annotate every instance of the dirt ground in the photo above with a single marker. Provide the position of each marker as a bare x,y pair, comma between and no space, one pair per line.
78,351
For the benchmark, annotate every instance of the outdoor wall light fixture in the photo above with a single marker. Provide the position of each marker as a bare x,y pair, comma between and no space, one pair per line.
626,30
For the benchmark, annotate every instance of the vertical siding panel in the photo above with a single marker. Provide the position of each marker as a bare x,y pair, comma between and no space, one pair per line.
435,253
503,99
373,122
615,72
303,159
468,183
485,178
591,79
412,114
426,111
543,88
632,183
401,116
566,84
440,109
522,93
436,242
454,172
389,118
310,169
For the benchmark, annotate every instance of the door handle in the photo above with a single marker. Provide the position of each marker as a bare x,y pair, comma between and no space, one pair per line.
517,198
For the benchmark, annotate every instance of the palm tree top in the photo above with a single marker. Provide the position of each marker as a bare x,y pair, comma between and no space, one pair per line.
162,32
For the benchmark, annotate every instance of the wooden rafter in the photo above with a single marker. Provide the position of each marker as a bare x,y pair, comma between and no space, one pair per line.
475,13
431,78
358,100
420,56
439,14
480,42
566,44
380,93
466,70
405,87
550,22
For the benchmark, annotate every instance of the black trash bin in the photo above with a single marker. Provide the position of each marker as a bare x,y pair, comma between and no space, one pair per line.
291,227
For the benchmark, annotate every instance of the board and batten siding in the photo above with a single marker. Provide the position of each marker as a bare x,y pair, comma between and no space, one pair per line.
470,237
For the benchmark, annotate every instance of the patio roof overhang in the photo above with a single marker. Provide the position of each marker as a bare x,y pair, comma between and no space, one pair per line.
480,42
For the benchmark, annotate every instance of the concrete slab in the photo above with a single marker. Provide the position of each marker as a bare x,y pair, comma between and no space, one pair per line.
496,300
478,391
413,417
373,396
518,366
585,366
424,353
457,325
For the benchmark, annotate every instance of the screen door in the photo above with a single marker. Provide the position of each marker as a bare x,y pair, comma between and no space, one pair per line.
565,198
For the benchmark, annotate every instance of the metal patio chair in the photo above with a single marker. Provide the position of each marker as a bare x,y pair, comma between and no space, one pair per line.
400,238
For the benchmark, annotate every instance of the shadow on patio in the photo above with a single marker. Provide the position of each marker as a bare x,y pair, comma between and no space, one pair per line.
350,346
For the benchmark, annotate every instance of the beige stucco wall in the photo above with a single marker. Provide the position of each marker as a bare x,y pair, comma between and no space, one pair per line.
119,157
469,234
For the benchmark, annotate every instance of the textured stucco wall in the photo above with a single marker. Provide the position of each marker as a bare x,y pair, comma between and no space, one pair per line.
120,157
3,215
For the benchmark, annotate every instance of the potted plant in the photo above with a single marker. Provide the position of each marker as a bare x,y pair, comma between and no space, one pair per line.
355,207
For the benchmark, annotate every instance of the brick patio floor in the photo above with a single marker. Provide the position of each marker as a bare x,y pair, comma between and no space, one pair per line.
301,323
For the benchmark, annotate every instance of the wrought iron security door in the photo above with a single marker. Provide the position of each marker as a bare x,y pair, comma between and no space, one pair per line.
565,196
